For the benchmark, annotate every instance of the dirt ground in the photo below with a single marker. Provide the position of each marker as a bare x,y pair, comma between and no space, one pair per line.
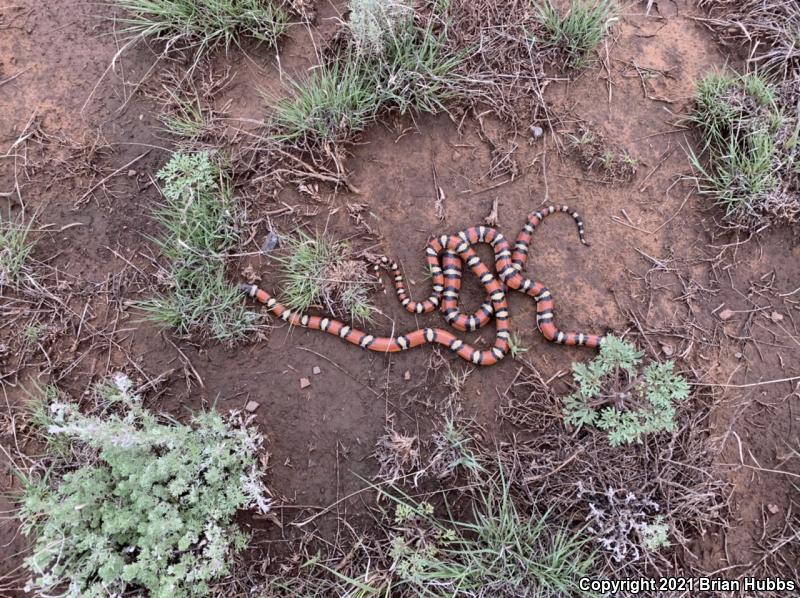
658,265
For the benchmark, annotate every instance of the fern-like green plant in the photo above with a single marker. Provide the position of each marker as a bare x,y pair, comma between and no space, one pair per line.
143,506
617,395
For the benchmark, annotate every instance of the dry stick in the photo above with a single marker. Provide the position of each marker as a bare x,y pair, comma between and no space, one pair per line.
185,359
112,175
764,469
749,385
12,77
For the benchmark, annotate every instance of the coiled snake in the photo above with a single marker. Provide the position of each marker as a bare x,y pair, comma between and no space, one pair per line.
444,256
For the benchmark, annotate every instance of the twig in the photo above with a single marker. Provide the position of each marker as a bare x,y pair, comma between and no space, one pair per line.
112,175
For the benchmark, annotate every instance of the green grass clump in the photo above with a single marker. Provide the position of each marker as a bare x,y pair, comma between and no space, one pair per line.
202,24
200,223
142,505
187,120
15,248
579,31
749,146
347,92
320,272
500,547
335,101
618,396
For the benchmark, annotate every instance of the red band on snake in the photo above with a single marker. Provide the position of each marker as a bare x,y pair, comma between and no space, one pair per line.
445,256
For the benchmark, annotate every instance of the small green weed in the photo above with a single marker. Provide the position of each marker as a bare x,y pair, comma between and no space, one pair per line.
199,219
143,505
320,272
579,31
15,248
187,120
516,346
596,153
454,450
202,24
615,395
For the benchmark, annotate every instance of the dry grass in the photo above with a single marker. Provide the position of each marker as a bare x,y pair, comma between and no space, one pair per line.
596,154
768,27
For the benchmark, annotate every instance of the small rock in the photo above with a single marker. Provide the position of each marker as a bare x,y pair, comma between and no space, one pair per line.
131,173
304,383
776,317
725,314
774,509
270,242
667,349
738,355
316,370
536,131
407,375
251,406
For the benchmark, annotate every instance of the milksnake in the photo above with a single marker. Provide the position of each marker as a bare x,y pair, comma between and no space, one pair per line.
444,256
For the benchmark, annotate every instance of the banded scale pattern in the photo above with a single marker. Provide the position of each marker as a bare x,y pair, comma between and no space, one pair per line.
445,257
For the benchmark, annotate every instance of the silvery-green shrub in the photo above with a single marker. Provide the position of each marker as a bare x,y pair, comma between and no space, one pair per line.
148,506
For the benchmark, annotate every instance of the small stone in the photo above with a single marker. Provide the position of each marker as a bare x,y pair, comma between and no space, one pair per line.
131,173
667,349
304,383
774,509
270,242
536,131
738,355
725,314
316,370
251,406
407,375
776,317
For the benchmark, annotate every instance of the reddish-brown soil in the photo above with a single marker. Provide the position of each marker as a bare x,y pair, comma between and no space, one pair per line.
656,253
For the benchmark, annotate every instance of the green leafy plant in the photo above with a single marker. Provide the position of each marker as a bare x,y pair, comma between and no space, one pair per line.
202,24
141,505
616,395
200,223
580,30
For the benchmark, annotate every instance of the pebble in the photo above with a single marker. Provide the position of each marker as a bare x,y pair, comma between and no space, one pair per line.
536,131
251,406
774,509
316,370
270,242
407,375
725,314
131,173
304,383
